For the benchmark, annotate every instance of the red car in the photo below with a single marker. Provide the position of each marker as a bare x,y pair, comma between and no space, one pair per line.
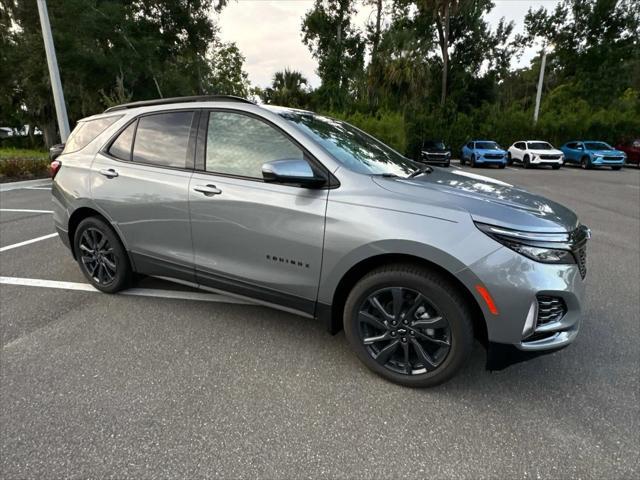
632,149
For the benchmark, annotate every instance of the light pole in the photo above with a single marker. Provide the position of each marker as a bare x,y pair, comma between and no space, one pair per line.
540,82
54,74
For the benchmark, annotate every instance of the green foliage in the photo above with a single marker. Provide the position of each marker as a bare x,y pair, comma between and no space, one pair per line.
23,164
389,127
288,89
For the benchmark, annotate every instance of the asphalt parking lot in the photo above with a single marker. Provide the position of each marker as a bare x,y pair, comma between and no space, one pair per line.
174,383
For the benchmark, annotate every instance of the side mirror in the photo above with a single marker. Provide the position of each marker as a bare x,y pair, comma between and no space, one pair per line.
291,171
55,151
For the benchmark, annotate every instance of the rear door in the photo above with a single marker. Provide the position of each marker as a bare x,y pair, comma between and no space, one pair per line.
262,240
141,181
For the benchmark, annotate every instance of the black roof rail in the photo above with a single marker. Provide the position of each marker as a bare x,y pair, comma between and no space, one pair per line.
168,101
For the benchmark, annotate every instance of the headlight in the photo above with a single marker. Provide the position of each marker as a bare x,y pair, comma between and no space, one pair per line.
541,247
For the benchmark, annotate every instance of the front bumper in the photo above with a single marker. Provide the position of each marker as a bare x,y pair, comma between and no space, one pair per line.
546,161
606,161
516,285
497,161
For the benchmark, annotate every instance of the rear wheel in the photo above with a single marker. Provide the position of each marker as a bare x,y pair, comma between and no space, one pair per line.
101,256
408,325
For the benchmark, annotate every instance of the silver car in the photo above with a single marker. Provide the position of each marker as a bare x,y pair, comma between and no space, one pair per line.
311,215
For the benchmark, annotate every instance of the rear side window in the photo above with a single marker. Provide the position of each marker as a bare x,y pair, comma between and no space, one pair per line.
238,145
162,139
86,131
121,147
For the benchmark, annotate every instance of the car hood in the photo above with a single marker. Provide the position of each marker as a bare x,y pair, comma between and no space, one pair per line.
546,152
607,152
487,200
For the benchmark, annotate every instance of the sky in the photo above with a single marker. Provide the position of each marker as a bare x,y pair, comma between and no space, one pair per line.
268,33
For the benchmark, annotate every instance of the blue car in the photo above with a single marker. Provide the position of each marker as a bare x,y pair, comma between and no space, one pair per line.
483,152
589,154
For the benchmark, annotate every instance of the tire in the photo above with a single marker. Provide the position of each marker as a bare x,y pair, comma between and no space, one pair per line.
448,164
556,167
473,161
616,167
109,271
501,165
585,163
509,159
462,160
439,305
525,162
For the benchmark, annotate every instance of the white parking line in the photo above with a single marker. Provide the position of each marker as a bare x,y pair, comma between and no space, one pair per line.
24,210
27,242
138,292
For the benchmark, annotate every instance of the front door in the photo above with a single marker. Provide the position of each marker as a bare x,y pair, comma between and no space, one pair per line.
258,239
141,182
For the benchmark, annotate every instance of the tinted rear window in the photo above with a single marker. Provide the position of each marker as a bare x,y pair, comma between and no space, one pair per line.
86,131
162,139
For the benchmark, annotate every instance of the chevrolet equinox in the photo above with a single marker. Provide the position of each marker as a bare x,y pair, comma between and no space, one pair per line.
311,215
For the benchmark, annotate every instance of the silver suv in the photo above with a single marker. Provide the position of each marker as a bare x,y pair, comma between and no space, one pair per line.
310,215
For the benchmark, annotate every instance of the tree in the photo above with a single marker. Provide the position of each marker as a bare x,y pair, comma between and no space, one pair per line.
287,89
337,45
107,51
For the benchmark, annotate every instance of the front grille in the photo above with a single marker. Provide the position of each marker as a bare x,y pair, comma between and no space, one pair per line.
579,239
617,159
550,157
493,156
550,309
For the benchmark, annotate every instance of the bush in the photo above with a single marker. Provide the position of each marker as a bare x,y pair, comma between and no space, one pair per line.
23,164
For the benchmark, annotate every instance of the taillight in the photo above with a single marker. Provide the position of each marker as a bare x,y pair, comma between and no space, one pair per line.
54,167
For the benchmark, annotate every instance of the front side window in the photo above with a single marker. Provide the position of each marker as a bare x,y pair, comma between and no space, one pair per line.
86,131
239,145
162,139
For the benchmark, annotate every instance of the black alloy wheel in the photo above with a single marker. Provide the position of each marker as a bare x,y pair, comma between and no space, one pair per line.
101,256
409,324
585,163
96,254
526,162
403,331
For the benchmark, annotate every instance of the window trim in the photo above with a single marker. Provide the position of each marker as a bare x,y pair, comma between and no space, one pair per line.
191,145
201,151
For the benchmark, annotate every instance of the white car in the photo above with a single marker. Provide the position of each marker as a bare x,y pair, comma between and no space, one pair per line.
531,153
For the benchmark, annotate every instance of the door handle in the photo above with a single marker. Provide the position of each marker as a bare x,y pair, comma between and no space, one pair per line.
208,190
109,172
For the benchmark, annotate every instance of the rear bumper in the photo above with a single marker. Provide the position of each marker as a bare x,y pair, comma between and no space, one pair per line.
64,236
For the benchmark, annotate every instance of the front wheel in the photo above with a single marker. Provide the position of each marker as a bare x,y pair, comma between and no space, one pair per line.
101,256
509,159
408,325
526,162
473,161
616,167
556,167
585,163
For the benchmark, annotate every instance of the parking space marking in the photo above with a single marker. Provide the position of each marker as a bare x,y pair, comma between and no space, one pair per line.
137,292
24,210
27,242
37,188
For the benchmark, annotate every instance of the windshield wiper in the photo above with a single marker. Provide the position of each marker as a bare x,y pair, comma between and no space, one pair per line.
420,171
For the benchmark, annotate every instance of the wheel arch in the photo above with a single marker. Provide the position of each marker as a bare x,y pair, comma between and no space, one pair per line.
332,314
79,215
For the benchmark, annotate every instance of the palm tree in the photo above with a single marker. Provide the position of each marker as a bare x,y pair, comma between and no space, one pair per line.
288,88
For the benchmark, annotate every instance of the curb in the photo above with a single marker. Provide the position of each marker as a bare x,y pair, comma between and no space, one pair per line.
41,182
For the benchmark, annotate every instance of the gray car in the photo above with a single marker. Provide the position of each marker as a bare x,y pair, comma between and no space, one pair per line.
311,215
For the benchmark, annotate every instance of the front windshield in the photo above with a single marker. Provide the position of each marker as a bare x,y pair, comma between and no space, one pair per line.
539,146
350,146
487,146
598,146
435,145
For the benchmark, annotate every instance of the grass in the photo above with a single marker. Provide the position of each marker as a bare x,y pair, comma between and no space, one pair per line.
23,164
